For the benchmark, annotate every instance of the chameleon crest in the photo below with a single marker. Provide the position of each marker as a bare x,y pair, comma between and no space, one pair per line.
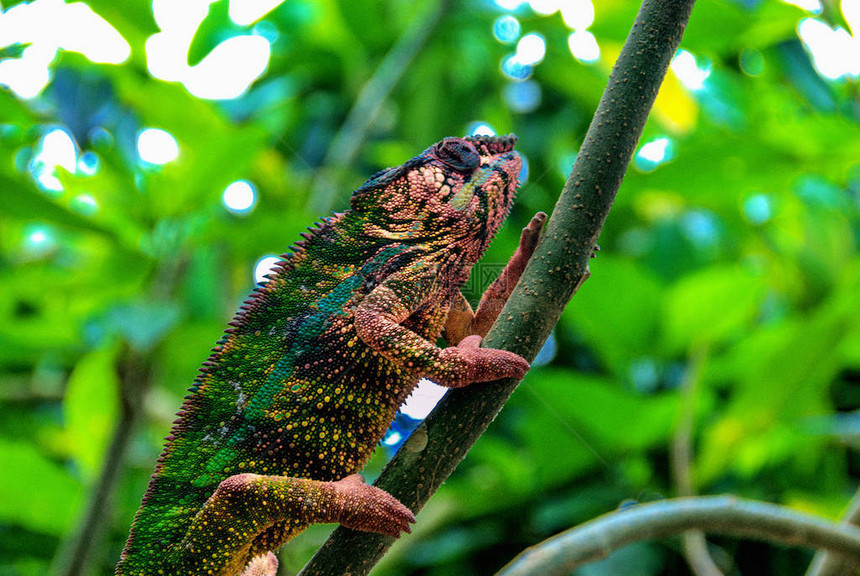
312,369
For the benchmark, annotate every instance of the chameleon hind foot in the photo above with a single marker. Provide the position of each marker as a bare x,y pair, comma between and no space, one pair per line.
266,565
246,506
370,509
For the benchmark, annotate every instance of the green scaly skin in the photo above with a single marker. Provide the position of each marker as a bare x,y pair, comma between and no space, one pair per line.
305,382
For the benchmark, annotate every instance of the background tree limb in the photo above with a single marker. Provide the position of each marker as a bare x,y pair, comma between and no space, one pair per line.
681,462
558,268
73,558
716,514
827,564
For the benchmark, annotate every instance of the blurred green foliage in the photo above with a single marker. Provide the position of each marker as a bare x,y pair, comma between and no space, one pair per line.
726,290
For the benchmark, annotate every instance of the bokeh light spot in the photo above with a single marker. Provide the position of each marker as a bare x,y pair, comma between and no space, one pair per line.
685,67
583,45
531,49
835,53
701,227
38,242
240,196
47,26
88,163
264,266
565,164
246,12
654,153
758,209
480,129
392,438
226,72
57,149
644,374
266,30
230,68
84,204
577,14
514,69
523,97
37,237
544,7
510,5
506,29
811,6
157,146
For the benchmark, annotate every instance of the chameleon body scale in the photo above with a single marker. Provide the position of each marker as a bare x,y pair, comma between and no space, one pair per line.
312,369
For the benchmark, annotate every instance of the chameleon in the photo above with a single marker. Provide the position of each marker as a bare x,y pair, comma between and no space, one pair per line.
311,370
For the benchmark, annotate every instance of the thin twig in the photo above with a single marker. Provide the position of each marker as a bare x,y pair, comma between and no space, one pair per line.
554,273
725,515
73,558
694,542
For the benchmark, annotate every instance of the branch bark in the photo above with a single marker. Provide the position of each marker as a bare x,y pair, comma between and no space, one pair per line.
716,514
555,272
826,564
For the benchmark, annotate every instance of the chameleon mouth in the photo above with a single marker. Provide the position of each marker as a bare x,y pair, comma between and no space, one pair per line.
490,145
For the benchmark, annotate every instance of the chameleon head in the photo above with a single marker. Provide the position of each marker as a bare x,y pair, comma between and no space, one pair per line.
457,189
488,192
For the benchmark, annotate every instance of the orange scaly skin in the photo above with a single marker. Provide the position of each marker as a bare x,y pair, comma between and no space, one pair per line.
304,383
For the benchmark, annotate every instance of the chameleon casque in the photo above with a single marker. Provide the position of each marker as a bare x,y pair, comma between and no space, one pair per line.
311,371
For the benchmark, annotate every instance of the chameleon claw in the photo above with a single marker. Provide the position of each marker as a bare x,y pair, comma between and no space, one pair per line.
532,233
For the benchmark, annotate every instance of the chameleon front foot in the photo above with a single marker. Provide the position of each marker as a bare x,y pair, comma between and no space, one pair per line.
531,235
467,362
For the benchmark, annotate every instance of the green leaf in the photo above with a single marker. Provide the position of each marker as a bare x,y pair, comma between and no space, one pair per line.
782,375
214,28
134,20
38,494
91,407
21,201
617,310
710,306
11,109
573,415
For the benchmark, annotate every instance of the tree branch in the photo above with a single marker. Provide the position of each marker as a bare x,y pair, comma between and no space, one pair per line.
826,564
73,558
715,514
555,272
681,456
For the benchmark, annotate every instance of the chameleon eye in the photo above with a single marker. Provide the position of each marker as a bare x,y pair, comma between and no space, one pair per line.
458,154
